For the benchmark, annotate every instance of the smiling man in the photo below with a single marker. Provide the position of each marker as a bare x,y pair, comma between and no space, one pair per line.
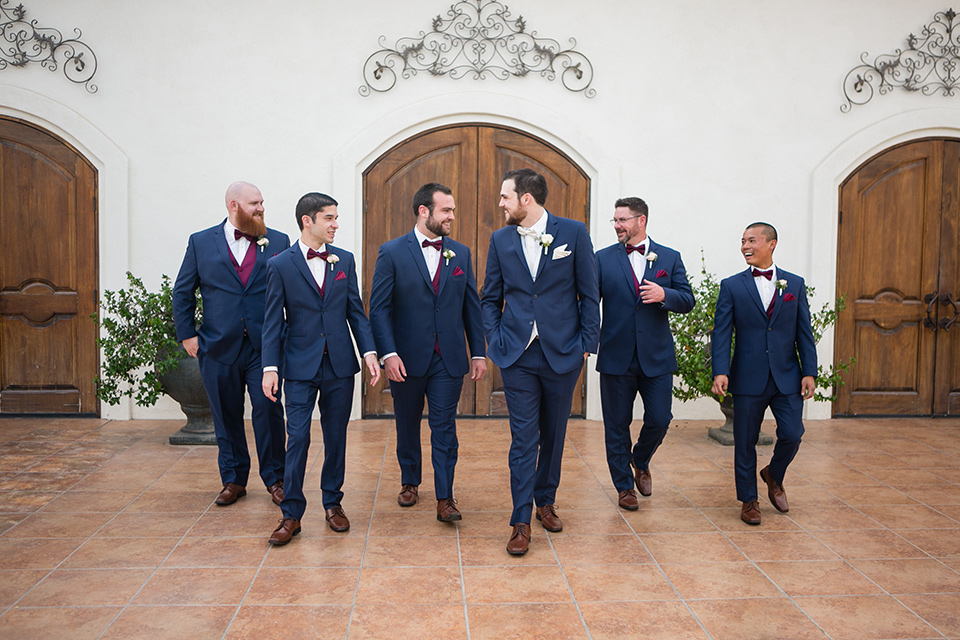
425,314
227,262
541,314
313,305
774,364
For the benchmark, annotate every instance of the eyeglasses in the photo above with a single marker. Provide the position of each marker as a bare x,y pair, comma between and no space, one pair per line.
621,221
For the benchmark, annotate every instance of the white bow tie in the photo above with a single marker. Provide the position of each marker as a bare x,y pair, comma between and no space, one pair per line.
530,233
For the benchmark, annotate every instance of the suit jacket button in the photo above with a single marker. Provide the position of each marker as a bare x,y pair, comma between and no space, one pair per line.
321,335
534,296
531,324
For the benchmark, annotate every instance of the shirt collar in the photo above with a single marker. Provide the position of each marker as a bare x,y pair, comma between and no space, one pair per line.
540,226
772,267
304,248
421,237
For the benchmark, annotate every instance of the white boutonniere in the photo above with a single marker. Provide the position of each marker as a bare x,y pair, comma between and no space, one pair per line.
545,241
262,242
651,258
781,285
448,253
332,259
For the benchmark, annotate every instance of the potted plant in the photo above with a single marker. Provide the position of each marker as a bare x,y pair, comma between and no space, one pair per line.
142,358
692,331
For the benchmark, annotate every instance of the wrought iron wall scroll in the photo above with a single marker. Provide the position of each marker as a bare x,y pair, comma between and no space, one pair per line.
477,39
23,42
927,65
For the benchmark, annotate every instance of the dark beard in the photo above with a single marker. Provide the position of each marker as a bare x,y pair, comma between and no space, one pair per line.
513,221
252,225
436,227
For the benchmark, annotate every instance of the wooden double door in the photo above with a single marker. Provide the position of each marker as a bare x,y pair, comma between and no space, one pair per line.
899,267
48,274
470,159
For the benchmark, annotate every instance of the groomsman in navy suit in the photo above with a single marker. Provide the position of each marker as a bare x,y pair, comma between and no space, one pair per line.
313,306
423,302
228,264
774,364
541,311
640,282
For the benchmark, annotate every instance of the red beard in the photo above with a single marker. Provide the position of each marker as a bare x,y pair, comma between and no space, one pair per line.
252,225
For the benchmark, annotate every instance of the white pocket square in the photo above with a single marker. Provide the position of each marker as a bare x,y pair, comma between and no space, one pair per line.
561,252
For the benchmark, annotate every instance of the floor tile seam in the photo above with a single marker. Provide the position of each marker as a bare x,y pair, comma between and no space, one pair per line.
923,619
246,592
366,538
463,583
566,581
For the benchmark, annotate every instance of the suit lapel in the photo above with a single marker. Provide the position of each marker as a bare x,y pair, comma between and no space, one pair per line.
220,242
517,244
552,225
301,263
650,264
444,270
624,261
746,277
778,299
416,254
261,260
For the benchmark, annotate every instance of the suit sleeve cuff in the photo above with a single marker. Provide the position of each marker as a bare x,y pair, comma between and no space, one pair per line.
274,369
370,353
389,355
479,358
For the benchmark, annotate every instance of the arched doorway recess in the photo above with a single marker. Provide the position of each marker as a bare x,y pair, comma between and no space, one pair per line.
48,274
470,159
898,265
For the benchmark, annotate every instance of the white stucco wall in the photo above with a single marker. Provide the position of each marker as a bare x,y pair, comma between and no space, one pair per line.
716,113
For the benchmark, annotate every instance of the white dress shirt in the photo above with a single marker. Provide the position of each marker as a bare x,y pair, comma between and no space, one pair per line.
317,266
430,255
238,247
532,251
766,288
639,262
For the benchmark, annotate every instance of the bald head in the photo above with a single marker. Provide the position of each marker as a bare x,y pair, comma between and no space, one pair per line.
245,208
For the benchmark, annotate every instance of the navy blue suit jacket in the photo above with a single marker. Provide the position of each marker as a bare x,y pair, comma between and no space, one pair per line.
228,306
781,346
313,322
406,316
631,327
564,300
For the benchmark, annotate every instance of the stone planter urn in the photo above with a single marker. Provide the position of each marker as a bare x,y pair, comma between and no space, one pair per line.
184,385
724,433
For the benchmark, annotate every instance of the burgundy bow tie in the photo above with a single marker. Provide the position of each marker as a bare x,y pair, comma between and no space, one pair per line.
237,234
768,274
436,244
317,254
642,249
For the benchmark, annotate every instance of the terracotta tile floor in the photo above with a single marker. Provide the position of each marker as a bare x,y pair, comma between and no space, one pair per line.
106,531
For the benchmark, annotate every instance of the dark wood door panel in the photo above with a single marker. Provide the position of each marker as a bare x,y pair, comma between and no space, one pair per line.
48,274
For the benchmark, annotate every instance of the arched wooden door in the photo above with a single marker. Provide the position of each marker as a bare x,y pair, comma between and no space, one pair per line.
48,274
899,267
470,159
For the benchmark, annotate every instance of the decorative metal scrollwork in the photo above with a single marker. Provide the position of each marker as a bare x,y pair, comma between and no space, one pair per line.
23,42
927,65
478,39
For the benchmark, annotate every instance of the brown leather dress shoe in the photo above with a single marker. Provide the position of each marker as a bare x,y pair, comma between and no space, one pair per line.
408,495
337,519
750,512
628,500
276,492
285,532
644,482
447,510
230,493
519,539
547,515
774,491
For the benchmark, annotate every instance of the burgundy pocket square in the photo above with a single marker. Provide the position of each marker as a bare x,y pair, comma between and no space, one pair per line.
457,271
789,297
340,276
662,274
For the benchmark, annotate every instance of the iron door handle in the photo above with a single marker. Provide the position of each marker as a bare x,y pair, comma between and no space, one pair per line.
947,299
931,300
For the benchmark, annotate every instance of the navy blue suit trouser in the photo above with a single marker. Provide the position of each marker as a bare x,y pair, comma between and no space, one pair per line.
334,397
538,399
225,384
442,392
747,415
617,393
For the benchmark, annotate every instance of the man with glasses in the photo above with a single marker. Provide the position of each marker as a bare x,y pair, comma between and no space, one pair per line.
640,282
